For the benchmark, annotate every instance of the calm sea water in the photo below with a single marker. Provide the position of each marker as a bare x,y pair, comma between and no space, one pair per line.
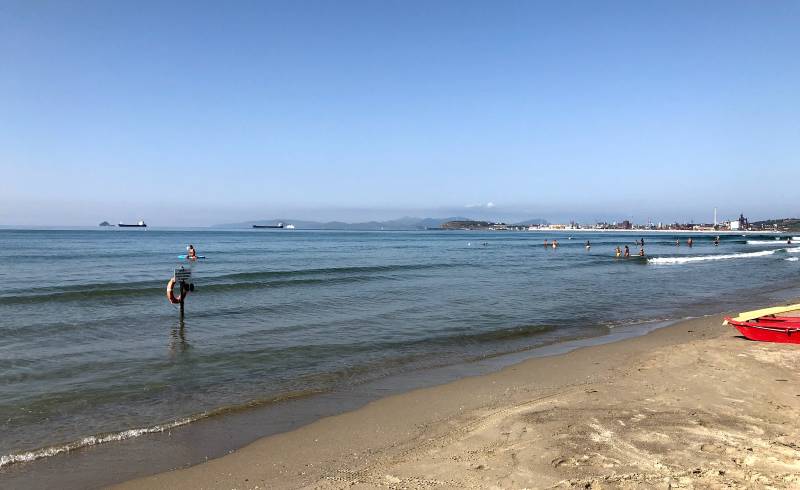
90,347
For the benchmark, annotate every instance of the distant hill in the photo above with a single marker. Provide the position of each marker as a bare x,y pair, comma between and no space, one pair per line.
405,223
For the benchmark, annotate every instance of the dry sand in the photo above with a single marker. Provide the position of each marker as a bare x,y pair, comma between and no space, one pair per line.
691,405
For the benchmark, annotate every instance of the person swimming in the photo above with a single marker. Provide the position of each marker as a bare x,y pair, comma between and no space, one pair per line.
588,245
191,253
627,252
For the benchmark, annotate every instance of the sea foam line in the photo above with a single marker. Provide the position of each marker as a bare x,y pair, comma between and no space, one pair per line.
768,242
704,258
46,452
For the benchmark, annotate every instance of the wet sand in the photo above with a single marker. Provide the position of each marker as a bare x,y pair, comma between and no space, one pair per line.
688,405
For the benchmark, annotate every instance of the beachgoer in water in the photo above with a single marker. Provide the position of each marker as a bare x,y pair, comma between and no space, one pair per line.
545,243
689,241
677,243
641,252
716,241
641,241
789,241
588,245
191,254
627,252
617,252
555,243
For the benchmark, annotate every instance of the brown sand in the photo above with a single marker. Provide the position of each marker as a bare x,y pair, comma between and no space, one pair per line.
691,405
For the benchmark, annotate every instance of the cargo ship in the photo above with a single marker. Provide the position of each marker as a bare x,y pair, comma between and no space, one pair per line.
140,224
279,225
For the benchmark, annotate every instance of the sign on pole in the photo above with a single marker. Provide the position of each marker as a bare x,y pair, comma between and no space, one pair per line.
183,275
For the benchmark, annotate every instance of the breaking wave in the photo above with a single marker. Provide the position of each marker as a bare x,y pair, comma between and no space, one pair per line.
778,242
46,452
706,258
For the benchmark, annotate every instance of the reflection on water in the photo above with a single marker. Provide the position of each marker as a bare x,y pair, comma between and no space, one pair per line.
177,338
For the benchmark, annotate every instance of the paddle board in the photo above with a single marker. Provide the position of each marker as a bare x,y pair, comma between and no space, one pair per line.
184,257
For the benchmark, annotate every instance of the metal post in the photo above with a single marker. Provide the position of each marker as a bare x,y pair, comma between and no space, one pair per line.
183,295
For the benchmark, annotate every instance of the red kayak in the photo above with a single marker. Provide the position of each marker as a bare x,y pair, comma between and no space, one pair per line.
787,332
765,326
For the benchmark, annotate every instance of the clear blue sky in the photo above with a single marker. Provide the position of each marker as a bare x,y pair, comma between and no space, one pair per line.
358,110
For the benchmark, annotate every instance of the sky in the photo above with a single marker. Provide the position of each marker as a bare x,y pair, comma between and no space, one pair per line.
196,113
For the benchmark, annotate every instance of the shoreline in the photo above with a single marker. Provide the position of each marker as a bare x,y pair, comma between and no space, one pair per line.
222,433
389,441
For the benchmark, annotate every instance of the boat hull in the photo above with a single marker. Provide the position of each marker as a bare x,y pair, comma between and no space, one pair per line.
122,225
783,332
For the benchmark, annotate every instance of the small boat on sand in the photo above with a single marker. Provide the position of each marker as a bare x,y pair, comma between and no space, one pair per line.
769,324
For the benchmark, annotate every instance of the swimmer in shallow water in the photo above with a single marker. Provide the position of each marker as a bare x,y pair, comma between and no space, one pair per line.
617,252
191,253
627,252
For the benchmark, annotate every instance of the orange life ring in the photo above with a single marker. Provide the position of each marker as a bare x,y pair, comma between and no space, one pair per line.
171,293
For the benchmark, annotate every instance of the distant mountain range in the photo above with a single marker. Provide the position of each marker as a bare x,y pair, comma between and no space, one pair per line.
405,223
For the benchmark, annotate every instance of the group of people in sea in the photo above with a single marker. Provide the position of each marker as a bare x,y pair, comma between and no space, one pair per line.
554,244
618,252
625,252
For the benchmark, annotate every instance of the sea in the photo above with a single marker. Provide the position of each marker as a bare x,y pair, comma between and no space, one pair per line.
92,355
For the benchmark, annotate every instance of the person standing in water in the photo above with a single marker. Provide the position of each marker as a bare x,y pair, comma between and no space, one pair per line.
588,245
689,241
617,252
627,252
641,252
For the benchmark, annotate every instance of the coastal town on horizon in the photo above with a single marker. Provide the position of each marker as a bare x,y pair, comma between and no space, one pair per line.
742,224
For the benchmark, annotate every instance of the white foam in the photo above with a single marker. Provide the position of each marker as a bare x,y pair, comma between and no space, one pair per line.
705,258
793,259
793,250
86,442
767,242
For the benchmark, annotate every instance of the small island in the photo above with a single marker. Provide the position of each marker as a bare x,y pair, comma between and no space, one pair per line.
106,223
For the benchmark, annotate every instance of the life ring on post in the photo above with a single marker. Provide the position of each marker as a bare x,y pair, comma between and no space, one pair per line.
171,293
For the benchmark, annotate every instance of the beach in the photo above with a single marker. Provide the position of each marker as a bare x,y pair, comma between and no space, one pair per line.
101,382
692,404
